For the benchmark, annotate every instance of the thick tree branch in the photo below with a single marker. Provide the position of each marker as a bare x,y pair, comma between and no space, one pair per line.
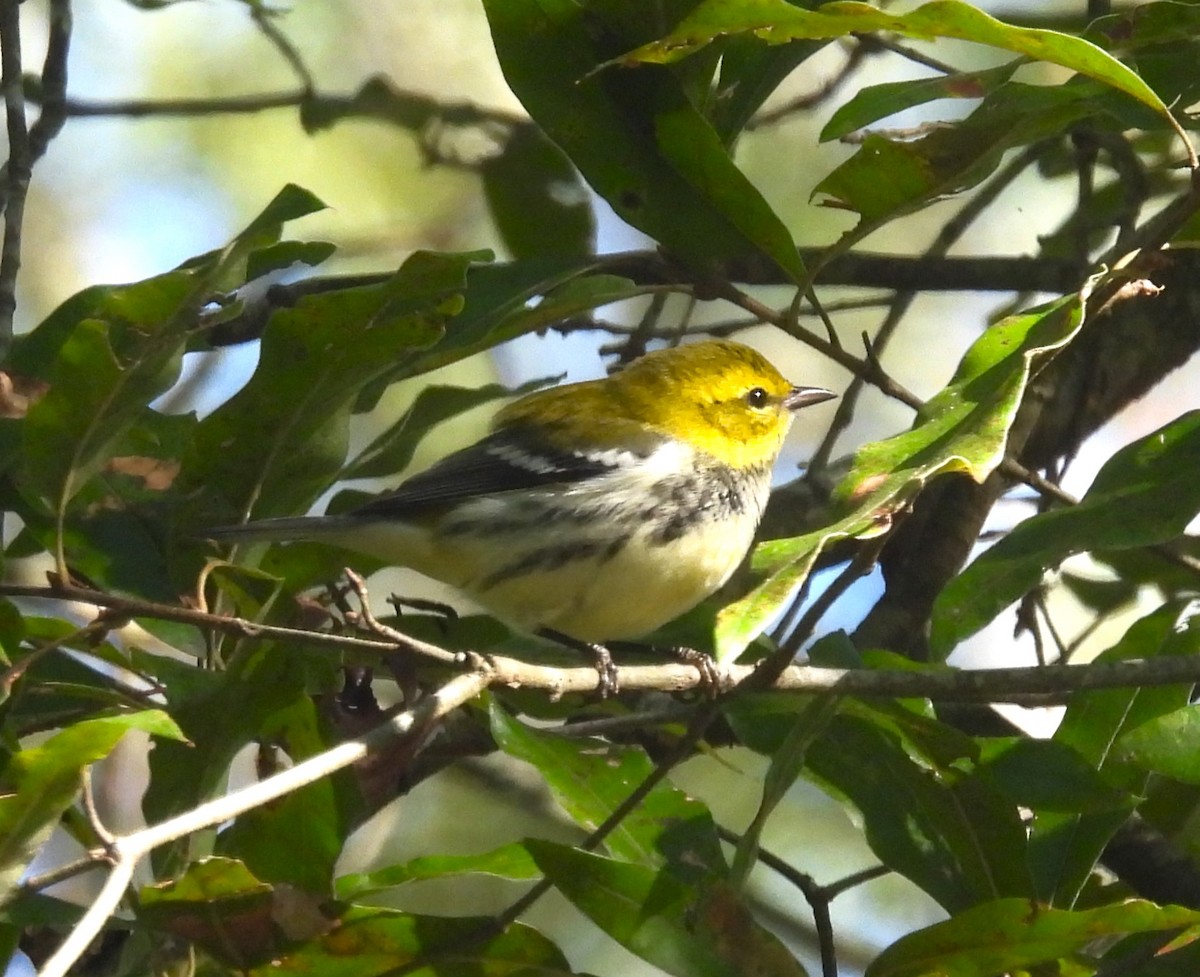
1041,684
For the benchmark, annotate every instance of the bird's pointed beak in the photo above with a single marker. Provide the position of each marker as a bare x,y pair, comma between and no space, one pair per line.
799,397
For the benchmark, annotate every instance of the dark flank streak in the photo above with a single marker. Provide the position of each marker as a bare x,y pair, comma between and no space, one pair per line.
549,558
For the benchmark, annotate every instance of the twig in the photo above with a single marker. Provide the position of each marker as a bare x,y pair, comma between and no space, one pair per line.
19,167
859,367
128,850
54,80
239,627
814,894
263,16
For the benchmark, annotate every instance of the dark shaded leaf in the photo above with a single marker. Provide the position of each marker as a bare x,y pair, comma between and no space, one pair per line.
1064,846
636,137
371,942
1144,494
591,777
685,930
537,199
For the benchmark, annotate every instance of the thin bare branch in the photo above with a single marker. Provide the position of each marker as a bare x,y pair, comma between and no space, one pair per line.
19,166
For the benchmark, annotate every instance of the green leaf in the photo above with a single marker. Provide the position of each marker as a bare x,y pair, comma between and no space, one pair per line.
218,904
108,368
298,838
371,942
392,450
109,351
1144,494
1048,775
114,535
507,862
778,22
590,778
875,102
1065,846
686,930
277,257
636,137
950,158
1168,745
537,200
749,74
959,838
281,439
507,301
40,783
220,712
786,764
964,428
1011,935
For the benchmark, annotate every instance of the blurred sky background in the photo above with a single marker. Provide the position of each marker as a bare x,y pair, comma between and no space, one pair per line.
118,199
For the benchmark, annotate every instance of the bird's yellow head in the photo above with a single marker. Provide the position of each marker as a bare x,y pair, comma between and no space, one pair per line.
720,397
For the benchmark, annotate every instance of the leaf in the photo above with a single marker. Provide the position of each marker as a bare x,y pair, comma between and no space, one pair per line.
507,301
108,368
1048,775
280,440
298,838
778,22
875,102
1168,745
40,783
590,778
1065,846
371,942
1010,935
749,74
109,351
220,712
392,450
964,428
539,204
218,904
1144,494
637,138
786,764
959,839
507,862
951,158
686,930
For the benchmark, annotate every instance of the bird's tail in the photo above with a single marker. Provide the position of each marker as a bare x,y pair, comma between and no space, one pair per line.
283,529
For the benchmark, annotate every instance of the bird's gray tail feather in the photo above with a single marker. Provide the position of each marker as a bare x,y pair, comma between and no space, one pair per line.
287,528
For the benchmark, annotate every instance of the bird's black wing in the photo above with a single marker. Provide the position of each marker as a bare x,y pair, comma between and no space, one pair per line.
505,461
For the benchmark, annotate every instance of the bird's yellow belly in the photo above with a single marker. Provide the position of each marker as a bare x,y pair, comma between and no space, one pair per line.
627,595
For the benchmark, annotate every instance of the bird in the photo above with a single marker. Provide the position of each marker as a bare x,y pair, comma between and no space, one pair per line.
592,512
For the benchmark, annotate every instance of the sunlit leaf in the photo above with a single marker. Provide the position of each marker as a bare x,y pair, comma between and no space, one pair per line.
40,783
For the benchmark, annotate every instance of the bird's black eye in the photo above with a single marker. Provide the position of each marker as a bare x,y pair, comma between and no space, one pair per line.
757,397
